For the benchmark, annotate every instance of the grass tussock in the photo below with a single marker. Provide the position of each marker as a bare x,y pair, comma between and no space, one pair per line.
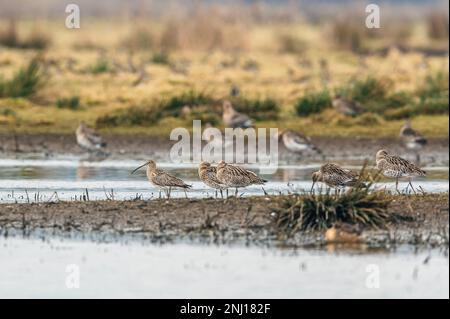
24,83
132,116
72,103
313,103
260,109
358,206
102,65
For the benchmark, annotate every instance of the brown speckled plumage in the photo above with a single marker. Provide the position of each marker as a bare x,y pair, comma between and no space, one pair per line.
396,167
162,179
335,176
208,175
236,177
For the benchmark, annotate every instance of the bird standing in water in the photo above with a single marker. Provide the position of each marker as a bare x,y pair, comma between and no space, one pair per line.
396,167
236,177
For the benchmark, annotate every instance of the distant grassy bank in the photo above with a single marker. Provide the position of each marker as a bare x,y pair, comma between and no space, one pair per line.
137,80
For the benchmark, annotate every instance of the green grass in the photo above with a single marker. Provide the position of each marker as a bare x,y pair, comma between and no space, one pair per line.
160,58
312,103
259,109
100,66
24,83
72,103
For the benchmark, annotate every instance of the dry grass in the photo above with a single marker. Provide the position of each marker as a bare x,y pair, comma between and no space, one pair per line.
142,64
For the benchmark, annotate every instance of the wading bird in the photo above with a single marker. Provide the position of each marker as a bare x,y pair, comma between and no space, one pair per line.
163,180
412,139
345,106
89,139
208,175
234,119
396,167
296,142
236,177
335,177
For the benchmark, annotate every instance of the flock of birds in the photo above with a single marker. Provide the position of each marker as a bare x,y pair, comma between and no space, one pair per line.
227,176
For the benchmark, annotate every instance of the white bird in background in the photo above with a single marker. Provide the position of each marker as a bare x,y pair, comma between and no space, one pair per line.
297,142
234,119
89,139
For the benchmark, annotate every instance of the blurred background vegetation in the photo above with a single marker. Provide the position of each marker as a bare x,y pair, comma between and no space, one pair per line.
148,66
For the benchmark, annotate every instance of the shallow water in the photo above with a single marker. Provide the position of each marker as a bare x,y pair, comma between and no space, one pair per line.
48,268
30,180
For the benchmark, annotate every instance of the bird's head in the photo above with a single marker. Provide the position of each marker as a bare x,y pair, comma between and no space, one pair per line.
204,165
381,154
227,107
149,163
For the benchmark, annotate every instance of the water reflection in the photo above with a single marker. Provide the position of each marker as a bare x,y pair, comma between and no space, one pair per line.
70,177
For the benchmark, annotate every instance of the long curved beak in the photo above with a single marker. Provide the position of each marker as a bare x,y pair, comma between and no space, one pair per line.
138,168
312,187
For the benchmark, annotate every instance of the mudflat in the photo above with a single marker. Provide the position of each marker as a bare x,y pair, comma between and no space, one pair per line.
420,220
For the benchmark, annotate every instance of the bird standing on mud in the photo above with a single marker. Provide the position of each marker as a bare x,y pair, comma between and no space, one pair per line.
412,139
296,142
234,119
335,177
163,180
345,106
89,139
396,167
208,175
236,177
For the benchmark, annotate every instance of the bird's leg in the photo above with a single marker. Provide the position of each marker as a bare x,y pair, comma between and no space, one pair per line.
227,192
236,192
168,192
160,194
221,194
185,194
216,193
396,185
414,191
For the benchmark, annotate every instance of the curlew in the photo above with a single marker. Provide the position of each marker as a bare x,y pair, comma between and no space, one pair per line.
346,107
335,177
237,177
208,175
412,139
163,180
234,119
296,142
396,167
89,139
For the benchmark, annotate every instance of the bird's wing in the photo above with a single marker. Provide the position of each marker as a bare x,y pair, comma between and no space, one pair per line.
163,178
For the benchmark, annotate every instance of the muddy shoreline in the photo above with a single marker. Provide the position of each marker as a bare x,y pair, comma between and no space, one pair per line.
142,146
422,221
